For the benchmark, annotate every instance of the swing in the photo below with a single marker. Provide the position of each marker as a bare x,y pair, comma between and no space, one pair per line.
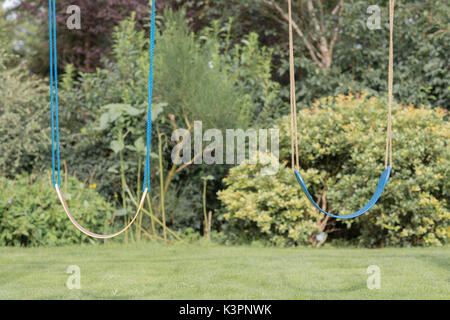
56,168
384,178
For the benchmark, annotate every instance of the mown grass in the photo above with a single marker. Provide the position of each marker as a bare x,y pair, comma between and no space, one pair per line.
156,271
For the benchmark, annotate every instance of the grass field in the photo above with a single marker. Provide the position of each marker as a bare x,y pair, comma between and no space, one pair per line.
155,271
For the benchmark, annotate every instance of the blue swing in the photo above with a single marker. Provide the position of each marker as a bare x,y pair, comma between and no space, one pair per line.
384,178
380,187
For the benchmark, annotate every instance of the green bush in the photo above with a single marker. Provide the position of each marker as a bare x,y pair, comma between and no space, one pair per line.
23,121
341,149
267,207
31,214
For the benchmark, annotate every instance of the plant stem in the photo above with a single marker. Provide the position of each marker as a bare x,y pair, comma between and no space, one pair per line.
161,176
209,224
123,180
151,213
206,224
155,218
138,195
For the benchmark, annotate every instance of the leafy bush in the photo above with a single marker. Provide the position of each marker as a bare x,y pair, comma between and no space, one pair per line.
23,121
31,214
181,61
5,29
249,66
360,57
267,207
190,78
341,149
421,51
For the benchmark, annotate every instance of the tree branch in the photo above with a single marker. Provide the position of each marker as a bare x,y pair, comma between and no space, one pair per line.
339,7
309,46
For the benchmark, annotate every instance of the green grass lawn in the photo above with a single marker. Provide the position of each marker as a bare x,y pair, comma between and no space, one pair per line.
156,271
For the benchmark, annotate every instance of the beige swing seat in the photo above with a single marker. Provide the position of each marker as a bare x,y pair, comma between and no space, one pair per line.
89,233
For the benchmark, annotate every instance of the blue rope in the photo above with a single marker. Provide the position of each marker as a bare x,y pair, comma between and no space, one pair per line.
56,163
146,183
50,32
55,70
54,92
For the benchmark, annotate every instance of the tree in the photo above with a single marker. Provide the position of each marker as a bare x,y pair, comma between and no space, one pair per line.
83,48
317,28
336,52
24,101
6,29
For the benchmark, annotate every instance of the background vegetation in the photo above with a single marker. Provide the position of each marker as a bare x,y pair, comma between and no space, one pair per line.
225,63
31,216
342,157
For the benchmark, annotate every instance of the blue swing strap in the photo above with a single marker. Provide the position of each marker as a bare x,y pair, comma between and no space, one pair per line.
56,163
146,184
384,178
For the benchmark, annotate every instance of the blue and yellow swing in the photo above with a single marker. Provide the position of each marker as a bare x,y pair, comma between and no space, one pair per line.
56,167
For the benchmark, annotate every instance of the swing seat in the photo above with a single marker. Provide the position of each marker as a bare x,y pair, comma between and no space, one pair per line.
384,178
92,234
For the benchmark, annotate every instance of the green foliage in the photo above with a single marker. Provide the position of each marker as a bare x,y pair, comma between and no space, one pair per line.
341,150
31,214
224,75
197,77
360,55
421,50
267,207
250,68
23,121
5,39
360,58
190,80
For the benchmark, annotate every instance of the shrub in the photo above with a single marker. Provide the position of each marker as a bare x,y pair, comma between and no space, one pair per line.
31,214
341,149
23,124
268,207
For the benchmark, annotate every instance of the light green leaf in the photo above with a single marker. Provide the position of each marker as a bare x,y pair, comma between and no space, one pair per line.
104,121
117,146
157,109
139,145
121,212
